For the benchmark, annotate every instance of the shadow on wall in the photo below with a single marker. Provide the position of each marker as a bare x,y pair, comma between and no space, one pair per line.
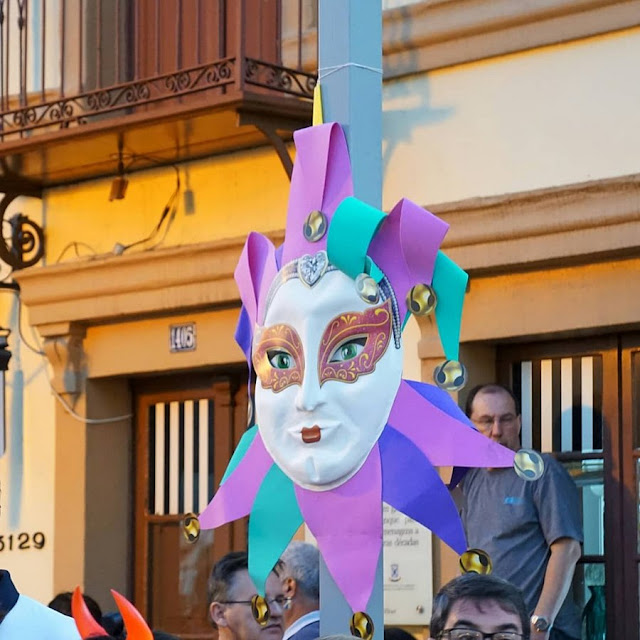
398,124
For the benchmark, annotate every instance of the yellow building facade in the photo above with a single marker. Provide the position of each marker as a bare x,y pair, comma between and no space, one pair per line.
519,126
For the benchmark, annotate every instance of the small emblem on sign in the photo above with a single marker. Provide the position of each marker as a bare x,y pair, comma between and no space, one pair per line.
182,337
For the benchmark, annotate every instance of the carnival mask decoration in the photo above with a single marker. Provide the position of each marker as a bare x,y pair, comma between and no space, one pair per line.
338,430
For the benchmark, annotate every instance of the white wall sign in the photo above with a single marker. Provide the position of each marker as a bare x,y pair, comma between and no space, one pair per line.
182,337
408,579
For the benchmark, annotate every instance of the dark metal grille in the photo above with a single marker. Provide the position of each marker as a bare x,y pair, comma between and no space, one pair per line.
561,402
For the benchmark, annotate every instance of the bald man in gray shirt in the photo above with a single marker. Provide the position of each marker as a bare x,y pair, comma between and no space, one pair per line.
531,530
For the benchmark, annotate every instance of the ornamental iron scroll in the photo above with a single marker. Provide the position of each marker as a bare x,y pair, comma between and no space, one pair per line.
24,247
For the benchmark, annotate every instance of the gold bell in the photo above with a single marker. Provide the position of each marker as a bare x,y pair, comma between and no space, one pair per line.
475,561
315,226
367,288
260,610
450,375
361,625
191,527
421,300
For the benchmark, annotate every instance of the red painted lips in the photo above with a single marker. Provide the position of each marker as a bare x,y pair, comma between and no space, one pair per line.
311,434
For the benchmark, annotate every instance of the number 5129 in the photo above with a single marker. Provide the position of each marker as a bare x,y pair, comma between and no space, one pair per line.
22,541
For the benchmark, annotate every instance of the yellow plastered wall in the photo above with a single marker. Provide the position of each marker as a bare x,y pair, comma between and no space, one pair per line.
550,116
233,194
28,465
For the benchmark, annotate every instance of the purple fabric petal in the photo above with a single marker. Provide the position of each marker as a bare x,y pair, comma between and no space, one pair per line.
446,403
244,335
456,476
411,485
440,399
321,180
254,273
405,247
347,523
235,497
445,441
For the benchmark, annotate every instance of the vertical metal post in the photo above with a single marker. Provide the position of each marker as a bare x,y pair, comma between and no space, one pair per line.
81,46
179,20
5,356
43,52
350,70
350,64
63,24
240,44
118,35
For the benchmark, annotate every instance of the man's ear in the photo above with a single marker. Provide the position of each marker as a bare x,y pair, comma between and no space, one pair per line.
216,611
289,587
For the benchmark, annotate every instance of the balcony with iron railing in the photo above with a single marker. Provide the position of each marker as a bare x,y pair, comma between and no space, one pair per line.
83,82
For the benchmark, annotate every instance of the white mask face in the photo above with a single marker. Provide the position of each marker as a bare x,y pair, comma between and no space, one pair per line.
328,373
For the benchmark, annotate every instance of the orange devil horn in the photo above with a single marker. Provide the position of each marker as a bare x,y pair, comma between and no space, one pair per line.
137,628
86,623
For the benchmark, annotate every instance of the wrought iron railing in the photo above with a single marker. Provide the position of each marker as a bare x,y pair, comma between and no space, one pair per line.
66,63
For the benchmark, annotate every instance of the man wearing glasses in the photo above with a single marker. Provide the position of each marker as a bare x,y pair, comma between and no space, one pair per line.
235,607
531,530
475,607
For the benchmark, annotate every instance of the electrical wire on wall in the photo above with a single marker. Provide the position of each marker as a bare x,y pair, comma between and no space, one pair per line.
39,351
157,235
168,213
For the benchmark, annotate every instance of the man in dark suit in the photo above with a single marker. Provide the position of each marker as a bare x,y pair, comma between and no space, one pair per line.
301,586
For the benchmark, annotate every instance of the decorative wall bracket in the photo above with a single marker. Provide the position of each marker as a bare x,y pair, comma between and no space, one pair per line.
24,247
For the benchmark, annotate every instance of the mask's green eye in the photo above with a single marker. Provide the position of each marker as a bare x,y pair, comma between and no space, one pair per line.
280,359
348,350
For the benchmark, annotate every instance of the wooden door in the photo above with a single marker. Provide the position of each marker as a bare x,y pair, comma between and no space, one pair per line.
186,431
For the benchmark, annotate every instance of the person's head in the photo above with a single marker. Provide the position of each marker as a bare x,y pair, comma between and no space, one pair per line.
230,591
495,411
300,580
474,602
62,604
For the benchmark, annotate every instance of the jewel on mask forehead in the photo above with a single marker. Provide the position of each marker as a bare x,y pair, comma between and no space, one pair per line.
312,268
421,300
367,288
450,375
528,464
475,561
315,226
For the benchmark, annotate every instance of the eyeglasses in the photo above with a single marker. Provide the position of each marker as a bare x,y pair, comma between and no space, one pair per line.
279,600
260,606
487,422
475,634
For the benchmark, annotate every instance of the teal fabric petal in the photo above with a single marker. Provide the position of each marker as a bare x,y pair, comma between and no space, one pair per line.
241,449
450,285
352,228
274,519
373,269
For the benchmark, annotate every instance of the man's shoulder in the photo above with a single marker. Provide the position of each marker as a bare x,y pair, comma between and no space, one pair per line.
30,619
310,631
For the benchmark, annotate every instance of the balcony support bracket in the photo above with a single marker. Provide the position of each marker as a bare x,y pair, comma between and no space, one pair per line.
270,129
